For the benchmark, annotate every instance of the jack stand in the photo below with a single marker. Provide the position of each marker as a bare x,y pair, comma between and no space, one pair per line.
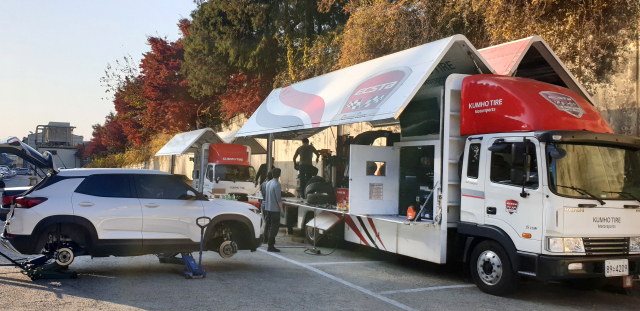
314,250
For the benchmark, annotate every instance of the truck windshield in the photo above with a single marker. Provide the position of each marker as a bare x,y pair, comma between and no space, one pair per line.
603,171
235,173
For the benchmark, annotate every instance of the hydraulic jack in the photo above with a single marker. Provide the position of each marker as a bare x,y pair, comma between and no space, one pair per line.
193,271
38,268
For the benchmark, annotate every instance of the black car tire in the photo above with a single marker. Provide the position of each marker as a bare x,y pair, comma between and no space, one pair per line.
319,187
321,198
315,179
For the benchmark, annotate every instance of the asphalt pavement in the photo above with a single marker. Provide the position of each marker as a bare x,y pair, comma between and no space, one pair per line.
352,278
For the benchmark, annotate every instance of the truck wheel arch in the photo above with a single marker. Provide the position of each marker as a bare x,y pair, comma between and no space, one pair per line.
477,233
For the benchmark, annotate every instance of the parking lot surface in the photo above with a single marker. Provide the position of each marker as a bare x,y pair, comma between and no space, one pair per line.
352,278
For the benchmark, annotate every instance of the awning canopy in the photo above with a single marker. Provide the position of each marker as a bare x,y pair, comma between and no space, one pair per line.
532,58
231,138
375,91
189,142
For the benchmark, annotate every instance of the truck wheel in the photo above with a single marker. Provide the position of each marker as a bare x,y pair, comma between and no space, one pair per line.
491,269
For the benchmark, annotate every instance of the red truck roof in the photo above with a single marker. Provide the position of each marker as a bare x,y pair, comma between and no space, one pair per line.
499,104
228,154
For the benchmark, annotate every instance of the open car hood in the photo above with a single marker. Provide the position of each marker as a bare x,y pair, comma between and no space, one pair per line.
13,145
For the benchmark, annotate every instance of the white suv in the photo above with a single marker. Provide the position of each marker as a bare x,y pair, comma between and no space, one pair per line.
121,212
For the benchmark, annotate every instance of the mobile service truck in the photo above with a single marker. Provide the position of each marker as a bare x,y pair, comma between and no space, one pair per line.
502,155
221,169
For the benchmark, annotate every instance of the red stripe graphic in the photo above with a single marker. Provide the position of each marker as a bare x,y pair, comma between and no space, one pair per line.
312,104
470,196
355,229
375,232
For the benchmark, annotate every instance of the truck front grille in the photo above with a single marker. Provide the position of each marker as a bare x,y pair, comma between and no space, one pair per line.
606,246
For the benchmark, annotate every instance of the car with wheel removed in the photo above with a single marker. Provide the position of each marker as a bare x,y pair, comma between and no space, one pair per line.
120,212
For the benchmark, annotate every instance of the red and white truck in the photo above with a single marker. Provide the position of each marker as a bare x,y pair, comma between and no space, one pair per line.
513,174
220,169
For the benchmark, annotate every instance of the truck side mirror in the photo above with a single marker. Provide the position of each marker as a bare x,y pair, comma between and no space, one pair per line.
518,176
217,180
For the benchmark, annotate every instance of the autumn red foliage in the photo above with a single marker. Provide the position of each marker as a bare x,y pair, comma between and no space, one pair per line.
244,95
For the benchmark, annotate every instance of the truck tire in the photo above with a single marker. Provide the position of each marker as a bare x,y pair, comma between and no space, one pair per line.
492,270
315,179
321,198
319,187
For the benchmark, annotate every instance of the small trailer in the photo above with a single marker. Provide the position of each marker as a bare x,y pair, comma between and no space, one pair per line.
514,174
221,161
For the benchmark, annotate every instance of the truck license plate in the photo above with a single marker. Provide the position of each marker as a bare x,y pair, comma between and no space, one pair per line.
616,267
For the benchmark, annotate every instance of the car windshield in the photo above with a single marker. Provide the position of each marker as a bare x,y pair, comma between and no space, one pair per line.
235,172
603,171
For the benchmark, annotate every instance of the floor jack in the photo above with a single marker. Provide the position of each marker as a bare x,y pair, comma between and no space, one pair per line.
193,271
38,268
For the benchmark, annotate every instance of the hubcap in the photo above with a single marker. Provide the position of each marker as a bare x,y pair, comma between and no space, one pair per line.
489,267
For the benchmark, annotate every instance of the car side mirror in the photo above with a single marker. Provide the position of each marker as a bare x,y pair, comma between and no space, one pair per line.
189,195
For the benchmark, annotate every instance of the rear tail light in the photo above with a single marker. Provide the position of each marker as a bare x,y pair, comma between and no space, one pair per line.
28,202
6,200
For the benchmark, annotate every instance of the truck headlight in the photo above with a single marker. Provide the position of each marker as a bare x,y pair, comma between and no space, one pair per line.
565,245
555,245
634,244
573,245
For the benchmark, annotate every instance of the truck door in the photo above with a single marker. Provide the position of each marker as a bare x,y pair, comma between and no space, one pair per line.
374,180
516,212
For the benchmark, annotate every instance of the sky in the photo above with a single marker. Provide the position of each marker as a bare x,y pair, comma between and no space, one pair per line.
53,54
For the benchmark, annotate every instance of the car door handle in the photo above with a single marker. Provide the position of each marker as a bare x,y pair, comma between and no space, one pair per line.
491,210
85,204
151,205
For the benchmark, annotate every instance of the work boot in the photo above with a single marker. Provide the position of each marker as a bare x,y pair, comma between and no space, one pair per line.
273,249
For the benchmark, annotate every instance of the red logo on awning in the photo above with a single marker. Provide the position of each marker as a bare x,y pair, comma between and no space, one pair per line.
512,206
371,93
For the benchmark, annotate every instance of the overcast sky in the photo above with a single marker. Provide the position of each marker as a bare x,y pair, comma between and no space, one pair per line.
53,54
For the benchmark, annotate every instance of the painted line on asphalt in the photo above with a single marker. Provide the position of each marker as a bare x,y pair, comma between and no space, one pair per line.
339,263
424,289
339,280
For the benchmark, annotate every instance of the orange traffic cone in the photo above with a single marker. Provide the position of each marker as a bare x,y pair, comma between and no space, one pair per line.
411,213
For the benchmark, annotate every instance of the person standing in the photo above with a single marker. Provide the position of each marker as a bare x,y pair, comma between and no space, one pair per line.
273,208
262,172
263,193
306,169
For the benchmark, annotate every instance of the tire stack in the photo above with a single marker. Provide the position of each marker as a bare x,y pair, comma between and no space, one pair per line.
319,192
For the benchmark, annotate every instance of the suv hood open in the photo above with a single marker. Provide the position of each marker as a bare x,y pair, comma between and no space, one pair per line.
13,145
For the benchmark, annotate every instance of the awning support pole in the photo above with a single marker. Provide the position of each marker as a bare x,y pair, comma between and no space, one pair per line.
269,152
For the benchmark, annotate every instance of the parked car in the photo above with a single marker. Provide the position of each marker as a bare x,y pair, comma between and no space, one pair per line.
23,171
120,212
7,172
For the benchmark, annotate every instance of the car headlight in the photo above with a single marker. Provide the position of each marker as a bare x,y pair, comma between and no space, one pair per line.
565,245
634,244
255,210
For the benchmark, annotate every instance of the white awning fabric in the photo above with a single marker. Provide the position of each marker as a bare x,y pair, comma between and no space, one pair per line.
189,142
231,138
374,91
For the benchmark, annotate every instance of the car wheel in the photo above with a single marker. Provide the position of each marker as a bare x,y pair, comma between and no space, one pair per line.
491,269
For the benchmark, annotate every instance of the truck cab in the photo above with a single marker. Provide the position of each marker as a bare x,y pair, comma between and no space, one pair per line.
228,172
